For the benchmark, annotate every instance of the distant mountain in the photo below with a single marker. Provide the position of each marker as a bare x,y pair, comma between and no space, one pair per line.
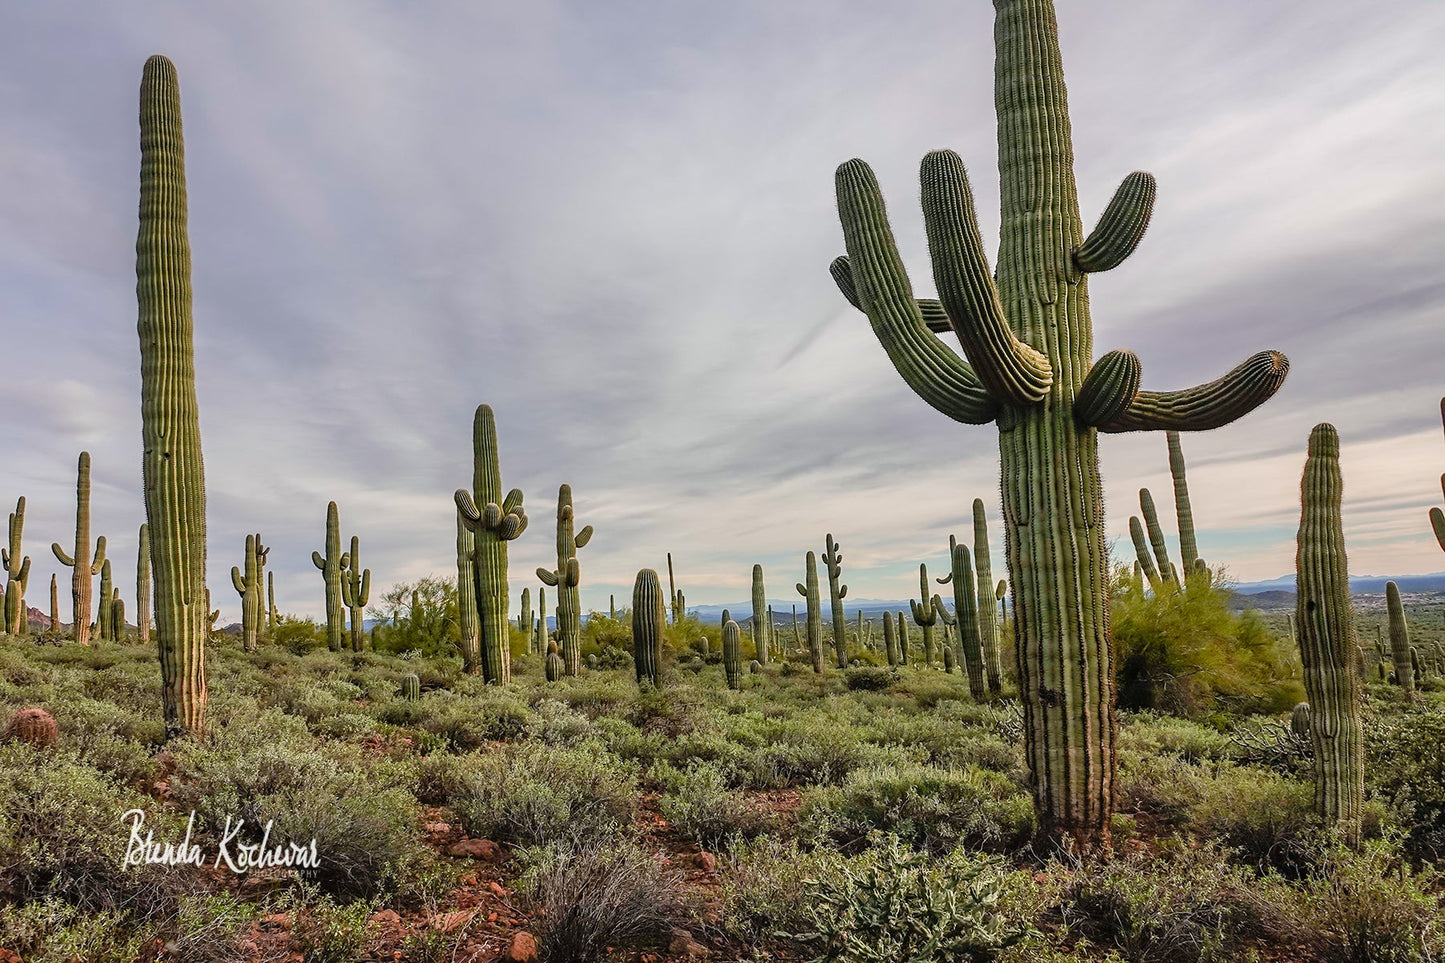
1359,584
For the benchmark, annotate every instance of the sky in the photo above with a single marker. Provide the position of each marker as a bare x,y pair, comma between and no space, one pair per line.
613,222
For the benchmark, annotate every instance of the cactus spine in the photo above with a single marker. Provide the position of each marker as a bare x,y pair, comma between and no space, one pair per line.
987,624
1399,639
649,615
836,592
1028,339
566,577
733,654
1327,638
355,593
175,492
85,569
965,609
925,613
493,520
143,585
331,565
248,586
809,591
762,619
17,573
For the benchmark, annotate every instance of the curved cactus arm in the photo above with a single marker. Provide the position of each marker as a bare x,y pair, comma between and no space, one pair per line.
318,561
1010,369
513,501
471,515
98,560
581,539
1156,535
62,555
945,580
943,613
918,612
547,576
1109,389
1206,406
365,597
802,589
1121,227
1141,548
936,374
1437,520
238,581
934,317
24,577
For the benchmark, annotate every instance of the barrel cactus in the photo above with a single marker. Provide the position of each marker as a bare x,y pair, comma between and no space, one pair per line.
732,654
1028,338
1325,618
649,616
832,559
566,577
555,667
1399,639
809,591
17,572
174,477
410,687
33,726
493,520
85,570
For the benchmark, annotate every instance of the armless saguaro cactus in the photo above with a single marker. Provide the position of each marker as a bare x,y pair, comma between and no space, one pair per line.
542,620
107,592
566,577
271,616
809,591
1167,572
85,570
494,520
1028,339
902,638
987,624
331,565
1399,639
143,585
965,608
925,614
356,593
890,643
674,597
524,617
832,558
54,604
1327,639
762,621
1188,544
175,489
732,650
649,615
248,586
17,573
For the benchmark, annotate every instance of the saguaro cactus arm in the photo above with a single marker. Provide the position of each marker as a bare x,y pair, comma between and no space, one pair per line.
1211,405
1109,389
1437,517
1121,227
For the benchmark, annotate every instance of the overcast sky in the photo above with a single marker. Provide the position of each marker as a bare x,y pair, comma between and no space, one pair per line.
612,222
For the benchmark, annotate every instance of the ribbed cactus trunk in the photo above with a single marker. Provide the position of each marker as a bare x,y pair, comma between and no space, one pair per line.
566,577
494,520
984,603
248,586
832,558
1399,639
54,603
1188,544
925,614
331,565
468,620
541,620
809,591
524,617
103,620
356,593
17,573
762,620
890,641
85,569
673,597
270,602
732,651
902,624
175,492
143,585
1028,338
1327,639
1167,571
649,615
965,614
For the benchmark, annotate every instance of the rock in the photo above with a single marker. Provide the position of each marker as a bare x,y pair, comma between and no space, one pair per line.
446,922
437,827
707,861
386,918
475,849
496,887
522,949
682,944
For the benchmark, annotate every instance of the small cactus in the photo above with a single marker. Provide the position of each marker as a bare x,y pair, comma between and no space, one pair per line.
987,625
732,654
1399,639
34,726
966,615
556,668
142,585
248,586
902,639
761,620
1299,719
890,641
755,667
103,623
566,577
410,687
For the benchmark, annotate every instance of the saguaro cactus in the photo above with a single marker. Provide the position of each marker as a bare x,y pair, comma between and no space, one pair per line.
356,593
175,490
1188,545
81,582
270,602
762,621
493,520
248,586
965,608
732,654
541,620
117,616
649,615
987,624
1437,517
902,638
566,578
54,604
1327,638
1028,338
890,642
836,592
17,573
1167,571
925,613
1399,639
674,597
107,592
143,584
809,591
524,617
331,565
555,667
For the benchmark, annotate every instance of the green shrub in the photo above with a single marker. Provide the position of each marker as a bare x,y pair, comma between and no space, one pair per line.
700,806
1407,769
53,931
868,678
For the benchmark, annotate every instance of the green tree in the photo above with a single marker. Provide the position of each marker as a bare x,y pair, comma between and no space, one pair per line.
419,616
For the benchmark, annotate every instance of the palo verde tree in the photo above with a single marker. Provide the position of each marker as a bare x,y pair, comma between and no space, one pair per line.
1027,335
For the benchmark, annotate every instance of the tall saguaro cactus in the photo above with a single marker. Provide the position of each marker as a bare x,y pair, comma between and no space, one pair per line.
1399,639
331,565
103,621
17,573
965,608
85,570
809,591
832,558
987,624
143,585
1327,638
270,602
1188,544
1028,339
649,615
175,489
566,577
493,520
762,617
356,593
732,650
248,586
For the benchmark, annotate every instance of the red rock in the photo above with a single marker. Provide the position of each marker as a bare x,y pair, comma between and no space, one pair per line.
386,918
446,922
438,827
280,920
496,887
475,849
682,944
707,861
522,949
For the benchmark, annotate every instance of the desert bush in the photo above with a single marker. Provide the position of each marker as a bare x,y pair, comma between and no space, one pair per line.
868,678
53,931
593,896
1407,769
700,806
470,723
